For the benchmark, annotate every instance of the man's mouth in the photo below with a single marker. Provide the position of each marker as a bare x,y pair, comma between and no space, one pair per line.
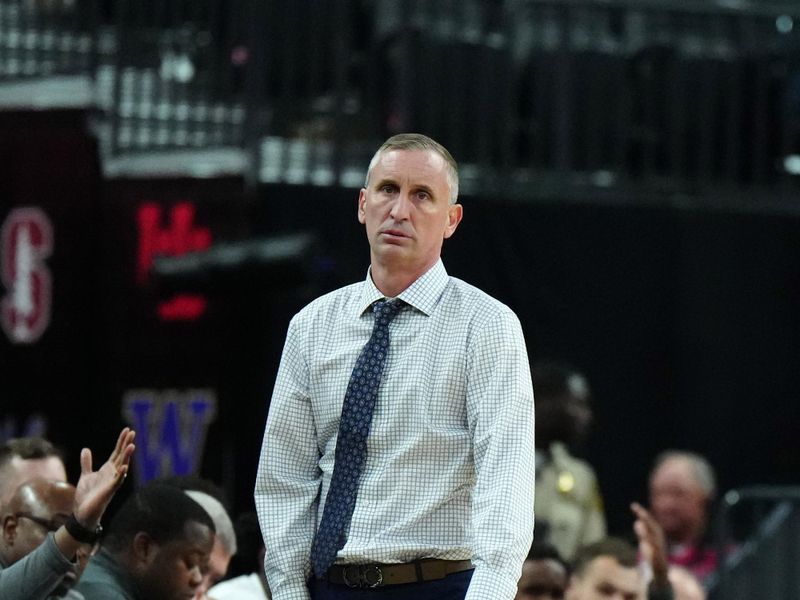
395,233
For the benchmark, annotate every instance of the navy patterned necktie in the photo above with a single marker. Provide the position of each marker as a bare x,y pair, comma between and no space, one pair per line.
351,445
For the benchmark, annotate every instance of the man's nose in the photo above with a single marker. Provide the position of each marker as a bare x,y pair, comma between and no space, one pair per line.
195,577
401,207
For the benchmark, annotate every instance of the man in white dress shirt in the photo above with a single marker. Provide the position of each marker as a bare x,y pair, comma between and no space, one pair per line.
443,507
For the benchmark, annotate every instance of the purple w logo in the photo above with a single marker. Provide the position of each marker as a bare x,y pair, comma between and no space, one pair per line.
171,429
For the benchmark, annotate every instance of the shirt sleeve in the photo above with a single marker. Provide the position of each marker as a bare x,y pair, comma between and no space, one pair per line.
501,417
35,576
288,478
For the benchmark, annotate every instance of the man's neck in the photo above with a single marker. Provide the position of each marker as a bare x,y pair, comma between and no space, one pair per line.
688,539
392,280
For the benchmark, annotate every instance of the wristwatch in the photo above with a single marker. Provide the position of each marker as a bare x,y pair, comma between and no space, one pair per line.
81,533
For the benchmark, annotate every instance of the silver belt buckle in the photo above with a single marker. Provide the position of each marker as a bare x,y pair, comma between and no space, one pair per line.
364,576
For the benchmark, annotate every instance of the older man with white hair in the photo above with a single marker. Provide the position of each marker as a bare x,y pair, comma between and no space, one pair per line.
682,487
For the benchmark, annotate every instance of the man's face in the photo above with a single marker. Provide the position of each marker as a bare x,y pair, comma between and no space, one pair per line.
564,418
406,209
174,570
28,523
542,580
677,501
217,567
20,470
605,579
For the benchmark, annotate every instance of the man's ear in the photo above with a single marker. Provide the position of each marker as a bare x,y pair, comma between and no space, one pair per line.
455,213
362,198
144,548
9,529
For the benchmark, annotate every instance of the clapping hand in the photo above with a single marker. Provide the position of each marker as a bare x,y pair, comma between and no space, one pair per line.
652,544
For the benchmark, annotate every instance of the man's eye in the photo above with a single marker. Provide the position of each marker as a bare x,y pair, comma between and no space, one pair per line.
606,590
192,564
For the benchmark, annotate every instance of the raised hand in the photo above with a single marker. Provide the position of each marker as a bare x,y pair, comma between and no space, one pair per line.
652,543
96,488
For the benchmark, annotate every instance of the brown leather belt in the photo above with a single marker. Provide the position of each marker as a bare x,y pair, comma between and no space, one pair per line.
376,575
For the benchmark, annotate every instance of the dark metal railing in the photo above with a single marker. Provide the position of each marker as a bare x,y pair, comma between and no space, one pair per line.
758,536
601,93
691,93
174,74
43,38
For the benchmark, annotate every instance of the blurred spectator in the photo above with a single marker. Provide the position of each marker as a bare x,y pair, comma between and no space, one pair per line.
606,569
211,497
612,568
224,542
35,575
26,458
544,574
158,546
682,488
569,508
252,583
35,509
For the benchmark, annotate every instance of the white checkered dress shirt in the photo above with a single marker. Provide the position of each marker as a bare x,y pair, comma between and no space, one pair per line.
450,458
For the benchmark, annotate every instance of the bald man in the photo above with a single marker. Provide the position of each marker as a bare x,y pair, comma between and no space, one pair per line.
27,458
36,508
35,576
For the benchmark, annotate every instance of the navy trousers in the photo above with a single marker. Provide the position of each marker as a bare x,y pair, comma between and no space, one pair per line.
452,587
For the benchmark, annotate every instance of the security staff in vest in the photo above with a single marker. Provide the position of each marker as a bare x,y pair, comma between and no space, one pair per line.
569,508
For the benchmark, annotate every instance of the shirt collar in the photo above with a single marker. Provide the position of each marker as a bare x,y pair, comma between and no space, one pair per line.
423,294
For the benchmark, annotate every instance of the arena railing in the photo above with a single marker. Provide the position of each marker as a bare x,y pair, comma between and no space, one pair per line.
530,95
677,95
172,75
46,38
758,536
534,95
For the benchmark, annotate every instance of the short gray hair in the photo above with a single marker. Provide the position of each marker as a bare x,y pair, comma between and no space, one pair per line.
701,469
218,514
417,141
